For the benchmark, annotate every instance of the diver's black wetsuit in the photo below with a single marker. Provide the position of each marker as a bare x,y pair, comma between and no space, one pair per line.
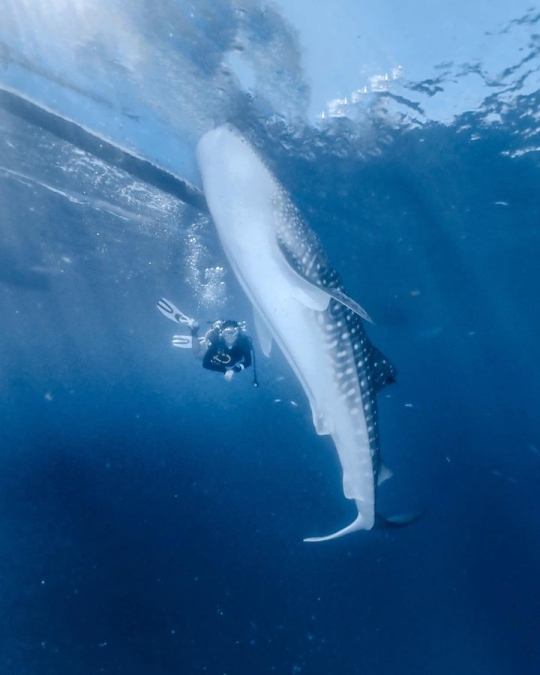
219,357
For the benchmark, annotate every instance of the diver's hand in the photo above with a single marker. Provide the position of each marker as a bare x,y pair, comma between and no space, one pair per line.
193,326
228,375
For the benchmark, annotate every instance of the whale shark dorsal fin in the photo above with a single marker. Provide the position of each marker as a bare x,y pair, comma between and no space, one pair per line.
263,334
383,370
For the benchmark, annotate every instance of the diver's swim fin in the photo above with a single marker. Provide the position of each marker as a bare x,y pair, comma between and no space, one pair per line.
172,312
182,341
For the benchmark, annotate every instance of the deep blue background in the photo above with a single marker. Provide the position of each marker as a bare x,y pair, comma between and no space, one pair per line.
152,516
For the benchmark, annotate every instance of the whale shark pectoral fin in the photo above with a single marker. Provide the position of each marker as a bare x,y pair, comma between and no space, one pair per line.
308,294
342,297
263,334
323,426
291,262
357,524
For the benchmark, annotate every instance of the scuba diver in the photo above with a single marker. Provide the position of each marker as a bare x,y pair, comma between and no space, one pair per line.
225,348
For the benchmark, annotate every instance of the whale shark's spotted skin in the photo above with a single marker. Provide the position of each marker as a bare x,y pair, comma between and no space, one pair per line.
299,302
361,369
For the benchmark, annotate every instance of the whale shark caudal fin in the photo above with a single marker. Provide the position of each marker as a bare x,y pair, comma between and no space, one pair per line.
402,520
380,522
357,524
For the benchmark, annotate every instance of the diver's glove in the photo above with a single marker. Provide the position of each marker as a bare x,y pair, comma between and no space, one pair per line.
228,375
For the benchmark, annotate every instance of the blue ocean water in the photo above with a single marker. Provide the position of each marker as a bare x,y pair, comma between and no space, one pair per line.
152,515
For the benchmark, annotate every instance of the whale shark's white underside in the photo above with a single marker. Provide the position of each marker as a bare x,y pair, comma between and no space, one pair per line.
299,302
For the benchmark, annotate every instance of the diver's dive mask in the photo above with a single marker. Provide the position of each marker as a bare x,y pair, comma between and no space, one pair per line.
229,328
230,332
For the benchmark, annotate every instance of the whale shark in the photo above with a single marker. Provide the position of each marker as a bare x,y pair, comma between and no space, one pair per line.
299,302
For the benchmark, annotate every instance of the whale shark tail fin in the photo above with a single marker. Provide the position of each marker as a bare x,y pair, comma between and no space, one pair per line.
359,523
401,520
